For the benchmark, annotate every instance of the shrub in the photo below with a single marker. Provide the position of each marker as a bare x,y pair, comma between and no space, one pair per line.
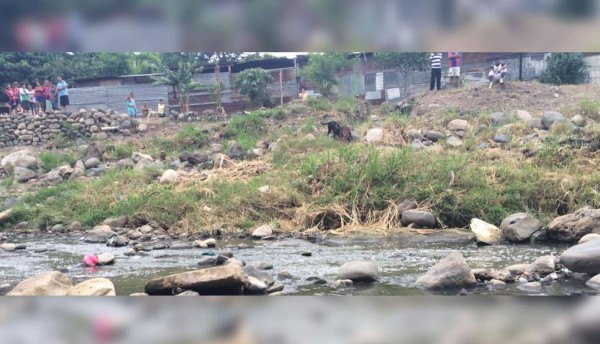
589,108
50,160
565,68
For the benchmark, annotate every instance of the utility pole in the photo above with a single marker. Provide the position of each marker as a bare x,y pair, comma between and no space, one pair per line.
520,66
297,77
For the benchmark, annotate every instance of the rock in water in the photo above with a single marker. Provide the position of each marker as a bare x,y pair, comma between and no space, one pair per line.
359,271
589,237
486,233
262,231
52,283
106,259
594,282
531,287
519,227
572,227
221,280
99,234
544,265
450,272
263,276
94,287
583,257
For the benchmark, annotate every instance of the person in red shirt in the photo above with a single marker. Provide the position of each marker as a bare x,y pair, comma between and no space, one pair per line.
13,96
454,68
40,100
47,96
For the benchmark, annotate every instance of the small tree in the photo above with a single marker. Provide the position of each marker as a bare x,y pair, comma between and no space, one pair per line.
322,68
253,83
565,68
181,81
405,63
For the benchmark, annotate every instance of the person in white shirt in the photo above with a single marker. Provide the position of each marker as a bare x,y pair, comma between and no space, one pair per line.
497,72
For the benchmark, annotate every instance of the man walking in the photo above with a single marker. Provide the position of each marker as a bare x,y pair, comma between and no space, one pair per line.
436,70
454,68
63,94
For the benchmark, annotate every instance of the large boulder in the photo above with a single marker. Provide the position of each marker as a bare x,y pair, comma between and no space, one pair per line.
137,157
572,227
359,271
499,118
169,177
23,158
221,280
458,125
23,174
551,117
5,215
374,135
450,272
193,158
94,150
94,287
519,227
594,282
585,238
52,283
235,150
106,259
91,163
265,277
422,219
583,257
503,275
262,231
486,233
99,234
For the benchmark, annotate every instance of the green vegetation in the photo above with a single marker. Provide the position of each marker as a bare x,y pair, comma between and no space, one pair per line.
345,105
564,69
51,160
253,83
322,68
589,108
188,138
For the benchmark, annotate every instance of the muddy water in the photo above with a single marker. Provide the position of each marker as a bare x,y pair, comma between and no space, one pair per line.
400,262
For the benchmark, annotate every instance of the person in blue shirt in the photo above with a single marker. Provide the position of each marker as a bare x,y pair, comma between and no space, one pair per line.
131,109
63,93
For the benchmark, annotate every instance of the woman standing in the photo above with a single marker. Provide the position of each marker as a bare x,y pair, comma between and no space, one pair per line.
47,97
24,97
40,100
32,99
53,96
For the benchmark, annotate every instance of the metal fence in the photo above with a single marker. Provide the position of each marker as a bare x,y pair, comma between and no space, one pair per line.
375,83
388,84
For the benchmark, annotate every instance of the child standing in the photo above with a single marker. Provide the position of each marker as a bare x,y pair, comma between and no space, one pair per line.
131,109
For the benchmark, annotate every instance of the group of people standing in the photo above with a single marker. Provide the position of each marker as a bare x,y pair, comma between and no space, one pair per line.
24,98
436,70
496,73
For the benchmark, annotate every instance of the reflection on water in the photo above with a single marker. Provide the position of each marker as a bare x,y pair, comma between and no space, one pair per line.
400,262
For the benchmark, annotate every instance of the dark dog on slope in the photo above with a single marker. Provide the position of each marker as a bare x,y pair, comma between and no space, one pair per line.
332,127
340,132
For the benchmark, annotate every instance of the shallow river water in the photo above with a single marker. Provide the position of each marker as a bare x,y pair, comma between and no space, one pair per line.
400,262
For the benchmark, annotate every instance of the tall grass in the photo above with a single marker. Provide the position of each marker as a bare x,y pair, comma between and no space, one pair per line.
188,138
51,160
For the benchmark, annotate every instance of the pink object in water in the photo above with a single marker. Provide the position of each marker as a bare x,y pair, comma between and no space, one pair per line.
90,260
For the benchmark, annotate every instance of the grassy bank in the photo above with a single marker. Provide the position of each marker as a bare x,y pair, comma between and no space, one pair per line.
322,182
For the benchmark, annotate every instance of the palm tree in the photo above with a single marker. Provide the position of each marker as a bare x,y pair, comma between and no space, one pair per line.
142,63
254,83
181,81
